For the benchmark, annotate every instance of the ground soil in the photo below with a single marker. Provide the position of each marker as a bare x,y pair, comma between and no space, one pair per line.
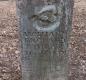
10,47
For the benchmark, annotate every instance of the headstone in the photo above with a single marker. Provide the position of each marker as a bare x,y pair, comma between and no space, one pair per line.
44,27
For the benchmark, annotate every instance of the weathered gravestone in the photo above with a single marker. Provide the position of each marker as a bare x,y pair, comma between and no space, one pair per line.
45,26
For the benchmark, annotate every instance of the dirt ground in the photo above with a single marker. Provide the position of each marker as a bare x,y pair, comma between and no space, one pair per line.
9,42
10,47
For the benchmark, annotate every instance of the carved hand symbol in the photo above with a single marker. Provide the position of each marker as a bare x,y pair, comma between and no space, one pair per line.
47,16
47,19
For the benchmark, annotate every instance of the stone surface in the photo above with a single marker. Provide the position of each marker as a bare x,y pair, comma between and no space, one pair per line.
44,50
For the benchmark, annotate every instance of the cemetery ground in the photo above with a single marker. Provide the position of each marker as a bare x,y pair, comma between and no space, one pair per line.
10,42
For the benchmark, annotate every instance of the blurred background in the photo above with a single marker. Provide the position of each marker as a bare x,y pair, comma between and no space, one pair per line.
10,42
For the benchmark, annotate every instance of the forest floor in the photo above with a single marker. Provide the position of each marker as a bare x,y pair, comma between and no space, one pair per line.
10,47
